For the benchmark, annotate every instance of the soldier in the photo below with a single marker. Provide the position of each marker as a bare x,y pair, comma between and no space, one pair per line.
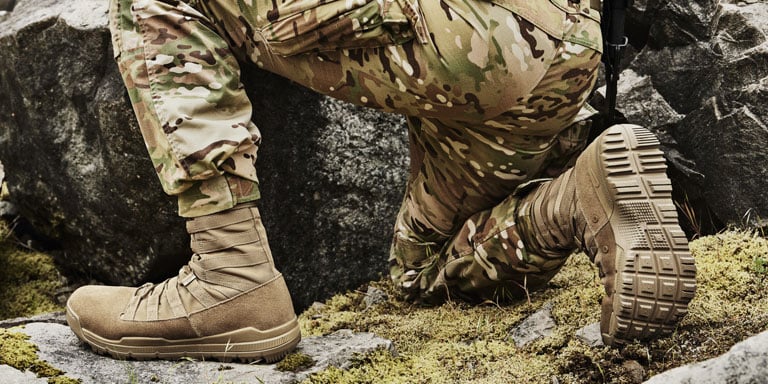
494,93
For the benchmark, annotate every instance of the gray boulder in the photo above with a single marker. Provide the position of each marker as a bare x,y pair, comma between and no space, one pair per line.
74,161
332,174
700,82
745,363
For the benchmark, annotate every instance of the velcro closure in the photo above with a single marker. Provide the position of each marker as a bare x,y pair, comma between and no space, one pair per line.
222,219
213,244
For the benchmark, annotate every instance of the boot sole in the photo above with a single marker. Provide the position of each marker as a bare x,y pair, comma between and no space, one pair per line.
655,272
245,344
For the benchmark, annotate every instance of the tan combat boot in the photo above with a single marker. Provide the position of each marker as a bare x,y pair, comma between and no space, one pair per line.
615,204
229,302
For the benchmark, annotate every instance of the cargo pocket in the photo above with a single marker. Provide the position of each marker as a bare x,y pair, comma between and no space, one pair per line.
582,25
574,23
295,27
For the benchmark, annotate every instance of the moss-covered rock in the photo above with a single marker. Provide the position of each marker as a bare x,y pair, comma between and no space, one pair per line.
458,343
19,353
28,280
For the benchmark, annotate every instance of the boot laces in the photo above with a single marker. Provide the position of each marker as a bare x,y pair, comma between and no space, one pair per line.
186,273
145,292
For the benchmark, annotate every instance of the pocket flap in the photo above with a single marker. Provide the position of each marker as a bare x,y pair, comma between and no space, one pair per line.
550,16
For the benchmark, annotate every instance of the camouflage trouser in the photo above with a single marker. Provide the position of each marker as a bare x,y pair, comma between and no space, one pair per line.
493,90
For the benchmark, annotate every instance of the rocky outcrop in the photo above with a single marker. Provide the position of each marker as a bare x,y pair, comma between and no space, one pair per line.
332,174
700,82
60,348
74,160
745,363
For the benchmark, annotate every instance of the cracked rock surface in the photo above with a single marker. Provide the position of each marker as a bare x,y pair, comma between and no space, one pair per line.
61,348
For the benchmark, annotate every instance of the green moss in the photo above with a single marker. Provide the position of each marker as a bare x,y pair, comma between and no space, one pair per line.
295,362
63,380
28,282
760,267
727,284
27,286
459,343
16,351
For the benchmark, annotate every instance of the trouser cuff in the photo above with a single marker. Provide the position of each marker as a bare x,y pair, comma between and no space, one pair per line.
216,194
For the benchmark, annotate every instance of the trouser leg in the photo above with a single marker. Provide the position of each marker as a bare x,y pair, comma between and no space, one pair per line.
486,257
184,85
456,201
178,63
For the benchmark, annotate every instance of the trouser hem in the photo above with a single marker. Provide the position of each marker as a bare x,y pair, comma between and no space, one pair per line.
217,194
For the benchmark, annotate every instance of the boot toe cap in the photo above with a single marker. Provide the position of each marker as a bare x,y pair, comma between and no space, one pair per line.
97,309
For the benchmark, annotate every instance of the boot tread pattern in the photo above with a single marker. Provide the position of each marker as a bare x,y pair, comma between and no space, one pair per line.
655,277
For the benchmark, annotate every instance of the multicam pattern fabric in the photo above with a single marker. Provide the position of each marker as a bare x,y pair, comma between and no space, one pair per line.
483,257
493,90
185,88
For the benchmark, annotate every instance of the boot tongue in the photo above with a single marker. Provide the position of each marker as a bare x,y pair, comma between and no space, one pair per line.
223,238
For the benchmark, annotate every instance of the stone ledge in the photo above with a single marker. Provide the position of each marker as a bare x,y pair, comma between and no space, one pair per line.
59,347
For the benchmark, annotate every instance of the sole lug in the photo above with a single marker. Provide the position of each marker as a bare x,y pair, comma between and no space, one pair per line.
655,272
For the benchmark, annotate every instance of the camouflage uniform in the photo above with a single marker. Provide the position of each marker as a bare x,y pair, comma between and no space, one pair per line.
493,91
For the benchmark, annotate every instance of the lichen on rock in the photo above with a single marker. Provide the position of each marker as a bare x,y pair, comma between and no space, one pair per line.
16,351
295,362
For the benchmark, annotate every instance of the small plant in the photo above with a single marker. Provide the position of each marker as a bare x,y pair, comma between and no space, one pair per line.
760,267
295,362
686,208
751,219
